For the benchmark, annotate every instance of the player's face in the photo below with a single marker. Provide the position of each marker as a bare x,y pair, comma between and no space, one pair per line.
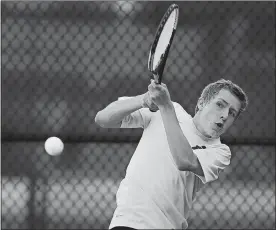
219,114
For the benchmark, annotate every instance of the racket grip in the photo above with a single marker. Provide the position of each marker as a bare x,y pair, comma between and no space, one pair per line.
157,79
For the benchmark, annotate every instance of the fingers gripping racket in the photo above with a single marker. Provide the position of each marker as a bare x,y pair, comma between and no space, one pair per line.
162,42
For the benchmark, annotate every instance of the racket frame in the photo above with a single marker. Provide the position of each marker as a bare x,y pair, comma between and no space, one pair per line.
158,72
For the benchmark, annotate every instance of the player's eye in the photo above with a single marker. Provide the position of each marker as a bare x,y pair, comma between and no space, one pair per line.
219,104
232,113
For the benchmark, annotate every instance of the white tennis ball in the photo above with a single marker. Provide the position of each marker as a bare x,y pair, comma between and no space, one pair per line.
54,146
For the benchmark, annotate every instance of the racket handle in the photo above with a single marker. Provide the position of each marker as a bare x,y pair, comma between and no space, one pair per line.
157,79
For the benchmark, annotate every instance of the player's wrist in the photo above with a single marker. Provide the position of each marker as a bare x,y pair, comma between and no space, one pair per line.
141,100
166,106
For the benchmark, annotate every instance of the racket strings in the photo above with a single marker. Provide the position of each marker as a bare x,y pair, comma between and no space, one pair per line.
165,38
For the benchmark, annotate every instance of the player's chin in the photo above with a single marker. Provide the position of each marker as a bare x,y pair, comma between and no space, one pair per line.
216,133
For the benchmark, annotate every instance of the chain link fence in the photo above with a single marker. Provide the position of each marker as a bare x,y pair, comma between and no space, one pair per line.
62,62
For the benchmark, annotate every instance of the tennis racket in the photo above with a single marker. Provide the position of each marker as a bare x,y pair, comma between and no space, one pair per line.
162,42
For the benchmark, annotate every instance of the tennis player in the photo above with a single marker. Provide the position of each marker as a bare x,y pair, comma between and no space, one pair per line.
176,155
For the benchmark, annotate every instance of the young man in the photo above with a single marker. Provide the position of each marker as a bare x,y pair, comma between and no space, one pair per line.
177,153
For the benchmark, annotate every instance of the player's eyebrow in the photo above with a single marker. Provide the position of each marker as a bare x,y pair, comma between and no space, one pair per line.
227,104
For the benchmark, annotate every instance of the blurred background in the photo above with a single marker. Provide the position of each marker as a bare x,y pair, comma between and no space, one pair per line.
62,62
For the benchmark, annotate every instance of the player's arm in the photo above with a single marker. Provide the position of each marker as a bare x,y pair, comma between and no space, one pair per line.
112,115
127,112
182,152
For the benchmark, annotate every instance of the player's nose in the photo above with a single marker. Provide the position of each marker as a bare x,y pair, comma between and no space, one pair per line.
224,114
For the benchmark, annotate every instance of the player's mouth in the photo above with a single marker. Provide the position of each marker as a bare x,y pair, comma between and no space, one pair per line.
219,125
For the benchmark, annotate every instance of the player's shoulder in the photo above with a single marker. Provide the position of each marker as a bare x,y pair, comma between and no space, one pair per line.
178,107
181,113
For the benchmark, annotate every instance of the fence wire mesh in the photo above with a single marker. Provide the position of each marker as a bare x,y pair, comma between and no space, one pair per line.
64,61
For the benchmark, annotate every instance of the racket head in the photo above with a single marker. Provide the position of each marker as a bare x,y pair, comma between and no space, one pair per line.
162,42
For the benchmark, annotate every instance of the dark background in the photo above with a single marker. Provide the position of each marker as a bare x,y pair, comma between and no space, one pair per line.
64,61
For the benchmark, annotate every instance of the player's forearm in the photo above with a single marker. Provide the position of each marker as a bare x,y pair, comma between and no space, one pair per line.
115,112
178,144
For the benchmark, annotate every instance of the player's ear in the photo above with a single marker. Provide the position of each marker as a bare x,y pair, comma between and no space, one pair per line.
200,104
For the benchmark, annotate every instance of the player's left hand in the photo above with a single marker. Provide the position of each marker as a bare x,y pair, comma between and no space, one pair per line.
159,94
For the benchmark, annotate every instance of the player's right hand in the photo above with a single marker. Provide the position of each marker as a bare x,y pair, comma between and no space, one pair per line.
148,103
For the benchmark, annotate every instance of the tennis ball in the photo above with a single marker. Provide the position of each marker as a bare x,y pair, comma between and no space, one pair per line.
54,146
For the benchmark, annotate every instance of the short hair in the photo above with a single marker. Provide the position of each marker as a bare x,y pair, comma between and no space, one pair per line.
211,90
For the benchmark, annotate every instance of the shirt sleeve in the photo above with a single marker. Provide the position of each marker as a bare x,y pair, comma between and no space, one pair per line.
138,119
213,160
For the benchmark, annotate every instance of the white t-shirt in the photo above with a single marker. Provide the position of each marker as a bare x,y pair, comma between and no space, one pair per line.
154,194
